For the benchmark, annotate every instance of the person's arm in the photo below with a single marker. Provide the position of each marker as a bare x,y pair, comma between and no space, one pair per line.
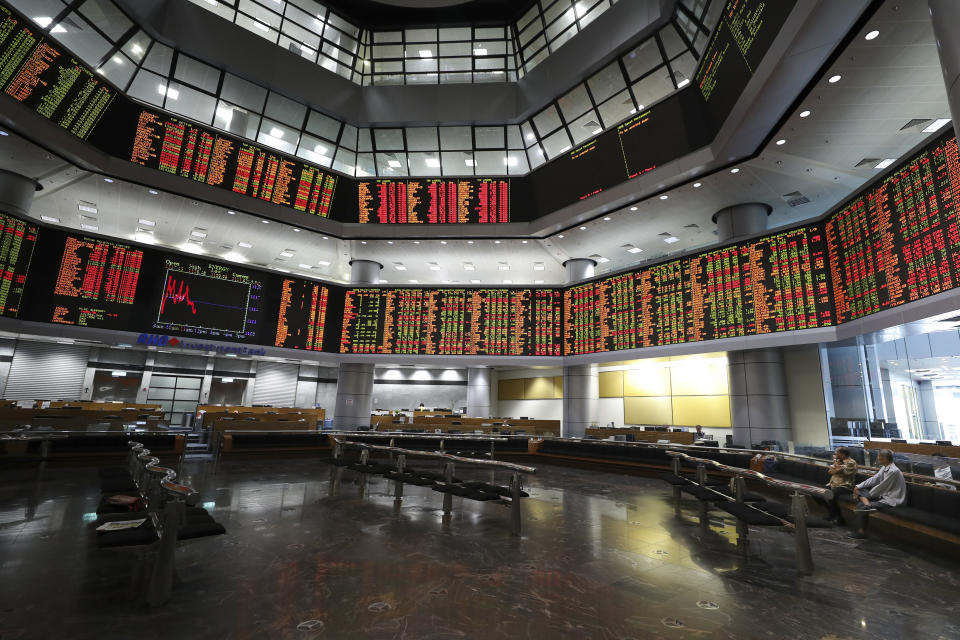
872,480
887,483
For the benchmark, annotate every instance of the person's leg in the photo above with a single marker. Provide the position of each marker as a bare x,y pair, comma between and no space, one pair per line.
833,506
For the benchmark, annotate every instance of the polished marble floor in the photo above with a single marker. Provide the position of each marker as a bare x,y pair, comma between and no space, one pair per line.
601,557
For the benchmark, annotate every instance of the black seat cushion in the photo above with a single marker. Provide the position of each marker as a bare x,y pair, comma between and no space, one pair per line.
408,478
783,511
674,479
437,476
106,472
710,482
117,484
144,534
749,515
371,467
106,507
493,488
702,493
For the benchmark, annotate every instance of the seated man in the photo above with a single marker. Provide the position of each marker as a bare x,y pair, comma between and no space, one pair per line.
843,475
884,489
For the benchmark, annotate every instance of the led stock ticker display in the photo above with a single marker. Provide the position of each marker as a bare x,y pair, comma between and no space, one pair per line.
434,201
17,241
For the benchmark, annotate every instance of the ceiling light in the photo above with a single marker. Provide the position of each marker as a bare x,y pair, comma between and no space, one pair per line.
633,249
197,233
503,266
90,227
834,79
508,282
697,185
530,136
394,163
58,29
295,230
260,25
3,133
598,258
152,192
43,21
671,239
231,213
936,125
479,52
468,266
265,221
469,162
871,35
664,197
426,53
245,245
413,281
110,180
560,236
735,170
305,266
539,266
287,253
434,266
323,263
363,242
781,142
683,83
474,282
87,208
399,266
325,238
233,256
883,164
606,219
633,208
416,242
523,242
583,228
389,241
50,219
538,282
443,242
469,241
433,163
276,132
511,161
804,114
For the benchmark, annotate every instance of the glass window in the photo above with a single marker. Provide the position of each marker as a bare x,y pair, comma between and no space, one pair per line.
606,82
564,22
490,163
456,138
557,143
616,109
684,67
315,150
517,163
163,381
574,103
454,33
257,27
365,165
159,59
422,65
585,127
239,91
489,138
190,102
455,49
137,46
260,13
388,139
118,69
41,11
279,136
236,120
392,164
653,87
285,110
159,394
345,161
535,156
424,164
107,17
529,137
642,60
421,35
197,74
148,87
547,120
457,163
422,139
514,139
360,138
672,43
325,126
81,39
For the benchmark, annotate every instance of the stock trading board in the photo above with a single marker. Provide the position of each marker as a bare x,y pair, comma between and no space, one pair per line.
434,201
96,284
302,320
491,322
17,241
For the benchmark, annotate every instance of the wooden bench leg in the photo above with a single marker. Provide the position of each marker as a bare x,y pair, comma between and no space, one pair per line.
515,504
398,485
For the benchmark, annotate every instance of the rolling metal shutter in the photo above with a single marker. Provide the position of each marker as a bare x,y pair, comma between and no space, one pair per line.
275,384
47,371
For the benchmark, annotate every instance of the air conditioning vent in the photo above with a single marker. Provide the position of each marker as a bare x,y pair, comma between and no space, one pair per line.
867,161
916,122
691,226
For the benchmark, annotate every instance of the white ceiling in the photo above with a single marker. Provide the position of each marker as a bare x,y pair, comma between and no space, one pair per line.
885,83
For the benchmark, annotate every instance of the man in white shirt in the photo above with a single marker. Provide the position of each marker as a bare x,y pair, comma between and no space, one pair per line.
884,489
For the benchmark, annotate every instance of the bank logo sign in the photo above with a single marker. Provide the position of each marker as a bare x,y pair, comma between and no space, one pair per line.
157,340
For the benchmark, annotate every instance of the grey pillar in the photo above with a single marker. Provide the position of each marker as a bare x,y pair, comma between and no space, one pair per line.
355,379
928,407
581,383
758,395
478,392
945,15
16,193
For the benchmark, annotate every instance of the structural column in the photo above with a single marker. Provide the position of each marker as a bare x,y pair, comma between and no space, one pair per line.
355,379
581,383
478,392
945,15
758,393
16,193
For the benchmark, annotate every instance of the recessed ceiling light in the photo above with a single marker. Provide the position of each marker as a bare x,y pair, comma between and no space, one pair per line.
295,230
804,114
434,266
871,35
108,180
634,250
735,170
781,142
530,136
399,266
305,266
883,164
633,208
433,163
697,185
3,133
539,266
671,239
469,241
496,242
426,53
664,197
413,281
231,213
394,163
50,219
600,259
480,52
90,227
523,242
474,282
325,238
265,221
683,83
583,228
147,223
560,236
538,282
443,242
287,253
389,241
363,242
197,233
835,79
468,266
152,192
323,263
936,125
606,219
503,266
87,207
508,282
245,245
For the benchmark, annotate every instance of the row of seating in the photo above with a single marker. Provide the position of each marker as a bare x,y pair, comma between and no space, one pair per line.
141,505
35,446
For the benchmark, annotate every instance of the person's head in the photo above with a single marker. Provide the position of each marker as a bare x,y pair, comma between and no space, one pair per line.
884,457
699,429
842,453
